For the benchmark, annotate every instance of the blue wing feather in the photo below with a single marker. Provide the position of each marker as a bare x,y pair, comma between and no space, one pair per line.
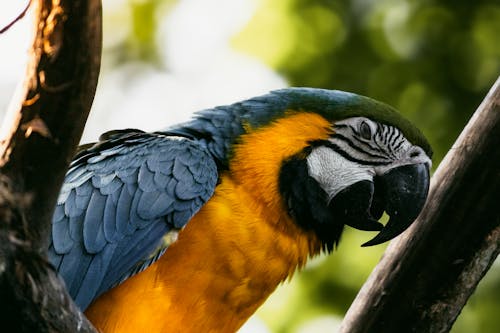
123,210
83,194
109,220
119,199
93,275
61,232
132,247
93,228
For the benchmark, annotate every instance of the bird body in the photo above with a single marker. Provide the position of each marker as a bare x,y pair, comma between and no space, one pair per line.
190,229
189,287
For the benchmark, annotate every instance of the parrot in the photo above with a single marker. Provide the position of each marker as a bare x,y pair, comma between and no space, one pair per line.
192,227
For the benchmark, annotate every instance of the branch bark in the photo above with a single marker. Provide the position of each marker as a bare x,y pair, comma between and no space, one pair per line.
426,275
38,139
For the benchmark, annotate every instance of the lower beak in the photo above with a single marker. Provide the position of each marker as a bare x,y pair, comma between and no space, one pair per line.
404,191
401,193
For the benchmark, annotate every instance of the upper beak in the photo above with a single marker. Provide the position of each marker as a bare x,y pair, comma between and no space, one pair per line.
401,193
404,191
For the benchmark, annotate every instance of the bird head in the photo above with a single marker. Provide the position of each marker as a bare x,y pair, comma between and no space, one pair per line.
328,158
371,161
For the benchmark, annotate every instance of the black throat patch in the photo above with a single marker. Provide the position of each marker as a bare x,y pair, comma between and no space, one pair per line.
307,202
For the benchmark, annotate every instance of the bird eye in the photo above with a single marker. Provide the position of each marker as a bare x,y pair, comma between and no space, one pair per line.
415,153
365,131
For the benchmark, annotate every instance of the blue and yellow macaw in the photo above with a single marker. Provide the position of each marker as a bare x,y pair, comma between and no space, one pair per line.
190,229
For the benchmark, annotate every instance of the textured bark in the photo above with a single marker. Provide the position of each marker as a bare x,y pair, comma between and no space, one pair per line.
38,139
426,275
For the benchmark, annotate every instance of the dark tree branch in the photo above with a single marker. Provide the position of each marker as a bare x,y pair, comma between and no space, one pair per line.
426,276
39,138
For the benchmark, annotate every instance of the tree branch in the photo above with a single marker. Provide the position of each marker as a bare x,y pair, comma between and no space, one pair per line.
38,140
14,21
426,275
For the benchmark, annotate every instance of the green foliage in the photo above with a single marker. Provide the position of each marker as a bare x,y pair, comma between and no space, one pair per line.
144,27
141,19
433,60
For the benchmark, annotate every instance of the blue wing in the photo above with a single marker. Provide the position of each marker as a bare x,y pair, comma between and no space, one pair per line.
119,199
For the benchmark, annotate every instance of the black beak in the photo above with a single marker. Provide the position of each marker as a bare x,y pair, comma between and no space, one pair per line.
401,192
404,191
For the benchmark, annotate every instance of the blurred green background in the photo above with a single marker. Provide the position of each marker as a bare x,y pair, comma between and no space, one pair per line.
433,60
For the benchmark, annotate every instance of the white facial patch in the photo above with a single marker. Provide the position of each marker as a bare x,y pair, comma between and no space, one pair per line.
387,144
333,172
358,150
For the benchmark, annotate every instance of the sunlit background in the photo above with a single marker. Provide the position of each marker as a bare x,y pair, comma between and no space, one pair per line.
164,59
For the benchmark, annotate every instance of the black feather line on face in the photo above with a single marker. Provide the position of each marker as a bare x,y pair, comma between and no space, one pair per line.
345,155
307,202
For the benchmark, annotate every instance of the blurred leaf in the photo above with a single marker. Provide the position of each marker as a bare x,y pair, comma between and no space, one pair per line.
137,40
